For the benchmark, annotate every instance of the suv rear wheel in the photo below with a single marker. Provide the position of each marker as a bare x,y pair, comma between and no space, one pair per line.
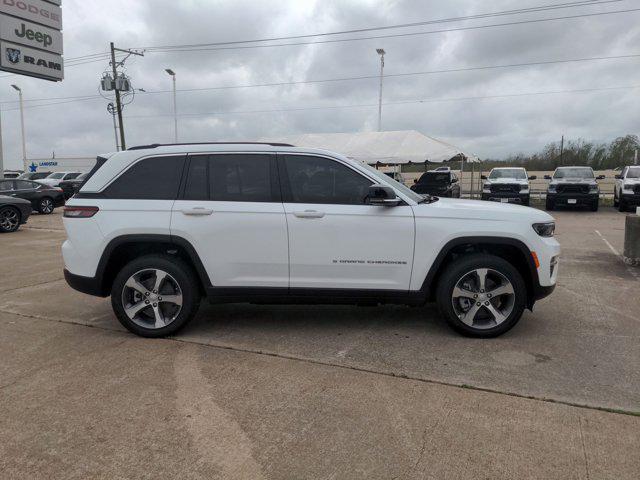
155,296
9,219
482,295
45,206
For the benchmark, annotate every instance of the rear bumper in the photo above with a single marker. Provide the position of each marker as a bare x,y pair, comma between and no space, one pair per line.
573,199
510,197
88,285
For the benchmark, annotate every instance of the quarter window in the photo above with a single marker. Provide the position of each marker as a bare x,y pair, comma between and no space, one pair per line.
22,185
324,181
149,179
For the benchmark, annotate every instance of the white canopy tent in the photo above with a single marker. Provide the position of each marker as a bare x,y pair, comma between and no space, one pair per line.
381,148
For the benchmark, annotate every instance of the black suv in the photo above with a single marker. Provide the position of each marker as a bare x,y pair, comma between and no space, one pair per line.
573,187
438,183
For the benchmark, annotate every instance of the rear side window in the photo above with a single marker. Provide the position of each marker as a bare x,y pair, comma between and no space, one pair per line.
24,185
324,181
240,178
6,185
197,182
156,178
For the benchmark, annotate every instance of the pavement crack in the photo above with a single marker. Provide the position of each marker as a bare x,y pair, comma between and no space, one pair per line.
584,449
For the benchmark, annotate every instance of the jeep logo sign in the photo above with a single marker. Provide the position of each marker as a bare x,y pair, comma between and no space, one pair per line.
30,34
36,11
28,61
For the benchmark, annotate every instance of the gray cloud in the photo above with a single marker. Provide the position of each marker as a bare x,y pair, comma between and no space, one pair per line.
490,127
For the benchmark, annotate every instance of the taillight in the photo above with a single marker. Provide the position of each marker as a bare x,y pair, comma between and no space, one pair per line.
80,212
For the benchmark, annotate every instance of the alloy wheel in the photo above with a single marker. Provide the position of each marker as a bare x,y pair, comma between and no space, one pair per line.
46,205
483,298
152,298
9,219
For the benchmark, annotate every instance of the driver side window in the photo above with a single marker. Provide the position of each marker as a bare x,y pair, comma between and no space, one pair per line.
321,180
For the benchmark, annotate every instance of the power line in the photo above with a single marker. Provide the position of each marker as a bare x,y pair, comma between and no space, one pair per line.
401,102
397,35
539,8
342,79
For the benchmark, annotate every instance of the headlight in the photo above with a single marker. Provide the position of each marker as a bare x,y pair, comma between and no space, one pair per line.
486,188
545,229
593,189
628,186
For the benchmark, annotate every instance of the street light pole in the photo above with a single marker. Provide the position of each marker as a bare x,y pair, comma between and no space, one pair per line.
24,140
175,104
382,53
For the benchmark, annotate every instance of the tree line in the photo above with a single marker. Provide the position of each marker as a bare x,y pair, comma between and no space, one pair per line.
603,156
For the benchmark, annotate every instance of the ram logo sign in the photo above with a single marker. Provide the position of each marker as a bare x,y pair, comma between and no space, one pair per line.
29,61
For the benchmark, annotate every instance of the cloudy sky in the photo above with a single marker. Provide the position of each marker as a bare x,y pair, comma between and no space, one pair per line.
506,122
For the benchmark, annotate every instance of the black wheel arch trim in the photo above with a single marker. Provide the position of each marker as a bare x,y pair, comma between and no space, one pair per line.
536,292
96,285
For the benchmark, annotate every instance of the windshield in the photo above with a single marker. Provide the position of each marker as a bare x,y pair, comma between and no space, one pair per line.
574,172
517,173
433,178
633,173
56,175
397,185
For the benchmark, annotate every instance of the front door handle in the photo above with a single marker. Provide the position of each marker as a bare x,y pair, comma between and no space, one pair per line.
309,214
197,212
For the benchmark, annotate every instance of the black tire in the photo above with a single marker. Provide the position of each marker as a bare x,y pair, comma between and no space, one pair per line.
45,206
457,270
616,202
622,205
550,205
595,205
10,218
183,275
527,202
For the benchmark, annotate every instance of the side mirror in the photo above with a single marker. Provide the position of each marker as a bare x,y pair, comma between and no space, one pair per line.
415,181
533,177
547,177
454,180
483,177
382,196
618,177
601,177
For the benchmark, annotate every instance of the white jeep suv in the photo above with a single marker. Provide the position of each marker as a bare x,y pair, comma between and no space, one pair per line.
161,226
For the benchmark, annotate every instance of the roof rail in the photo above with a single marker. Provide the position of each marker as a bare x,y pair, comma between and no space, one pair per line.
156,145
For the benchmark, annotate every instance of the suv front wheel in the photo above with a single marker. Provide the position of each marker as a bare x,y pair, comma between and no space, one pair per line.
482,295
155,295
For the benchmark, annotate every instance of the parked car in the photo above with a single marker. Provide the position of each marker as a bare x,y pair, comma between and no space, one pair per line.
34,175
43,198
626,192
507,185
441,183
70,187
265,223
573,187
13,213
11,173
55,178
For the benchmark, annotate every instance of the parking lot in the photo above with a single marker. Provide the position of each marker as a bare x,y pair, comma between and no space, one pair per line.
322,391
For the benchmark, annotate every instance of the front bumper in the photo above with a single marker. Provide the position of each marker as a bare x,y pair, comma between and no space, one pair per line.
573,199
507,197
631,198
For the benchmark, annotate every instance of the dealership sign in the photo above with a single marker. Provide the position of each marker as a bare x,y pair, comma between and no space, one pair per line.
37,11
28,61
31,38
30,34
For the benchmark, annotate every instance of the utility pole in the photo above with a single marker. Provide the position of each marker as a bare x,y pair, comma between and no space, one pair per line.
114,66
382,53
561,151
24,140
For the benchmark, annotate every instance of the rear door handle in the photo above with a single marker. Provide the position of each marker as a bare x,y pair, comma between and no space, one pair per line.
309,214
197,212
